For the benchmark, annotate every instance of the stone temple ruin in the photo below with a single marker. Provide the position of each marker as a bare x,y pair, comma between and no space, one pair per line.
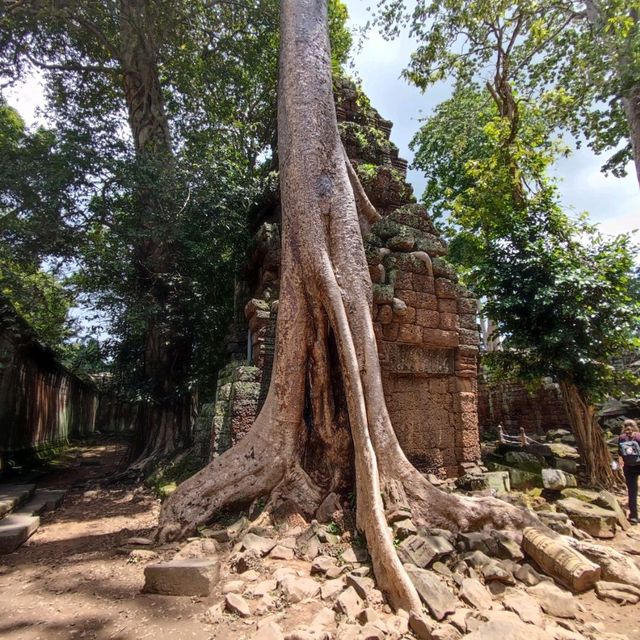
425,322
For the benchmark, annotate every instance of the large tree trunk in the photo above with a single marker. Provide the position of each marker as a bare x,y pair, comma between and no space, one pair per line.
164,423
326,353
631,104
594,454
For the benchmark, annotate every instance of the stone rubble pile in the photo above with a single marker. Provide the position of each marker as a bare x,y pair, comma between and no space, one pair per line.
312,582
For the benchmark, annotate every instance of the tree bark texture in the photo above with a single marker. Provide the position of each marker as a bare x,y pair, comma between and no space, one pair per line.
326,352
594,454
631,103
164,423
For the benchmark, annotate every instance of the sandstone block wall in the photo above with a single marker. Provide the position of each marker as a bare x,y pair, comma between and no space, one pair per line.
425,322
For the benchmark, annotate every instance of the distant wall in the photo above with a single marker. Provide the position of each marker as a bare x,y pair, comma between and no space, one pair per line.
514,407
43,404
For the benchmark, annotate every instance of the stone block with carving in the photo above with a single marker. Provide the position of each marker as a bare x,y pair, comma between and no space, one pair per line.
566,565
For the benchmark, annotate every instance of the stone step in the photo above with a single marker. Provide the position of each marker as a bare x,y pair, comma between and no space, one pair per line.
15,529
13,495
41,501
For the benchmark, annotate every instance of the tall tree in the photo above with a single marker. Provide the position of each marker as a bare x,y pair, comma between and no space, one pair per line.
326,353
137,57
581,56
561,294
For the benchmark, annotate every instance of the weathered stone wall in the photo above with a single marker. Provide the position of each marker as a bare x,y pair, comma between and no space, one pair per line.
425,322
515,407
41,403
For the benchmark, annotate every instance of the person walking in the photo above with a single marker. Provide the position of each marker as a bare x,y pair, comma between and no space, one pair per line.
629,446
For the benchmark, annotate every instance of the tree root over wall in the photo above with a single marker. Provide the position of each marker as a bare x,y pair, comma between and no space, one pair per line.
326,367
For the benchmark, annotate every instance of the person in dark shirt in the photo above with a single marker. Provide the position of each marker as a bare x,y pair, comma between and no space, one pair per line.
631,471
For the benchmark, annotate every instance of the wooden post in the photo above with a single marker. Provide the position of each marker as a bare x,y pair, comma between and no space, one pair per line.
523,437
501,434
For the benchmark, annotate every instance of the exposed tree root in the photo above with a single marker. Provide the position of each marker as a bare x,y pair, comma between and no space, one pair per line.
325,295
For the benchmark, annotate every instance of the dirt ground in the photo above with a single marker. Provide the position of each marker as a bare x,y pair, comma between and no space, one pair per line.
74,577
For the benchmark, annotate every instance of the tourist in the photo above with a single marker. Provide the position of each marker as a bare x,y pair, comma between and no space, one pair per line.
630,459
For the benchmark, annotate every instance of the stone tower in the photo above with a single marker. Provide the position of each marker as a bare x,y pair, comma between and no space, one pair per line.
425,322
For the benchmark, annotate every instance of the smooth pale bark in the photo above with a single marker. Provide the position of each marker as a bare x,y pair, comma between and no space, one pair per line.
325,346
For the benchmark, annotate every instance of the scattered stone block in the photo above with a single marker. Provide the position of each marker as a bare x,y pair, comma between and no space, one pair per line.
607,500
322,564
503,625
258,544
556,479
527,574
557,559
404,528
13,495
526,608
433,592
495,572
445,632
331,588
362,585
281,553
554,600
349,603
355,554
263,587
498,481
15,529
475,594
615,566
596,521
199,548
297,589
195,577
622,593
328,507
235,603
421,550
233,586
421,627
269,631
138,556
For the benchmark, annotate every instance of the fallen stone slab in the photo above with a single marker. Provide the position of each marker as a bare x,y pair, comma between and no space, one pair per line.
349,603
558,559
474,593
554,600
505,625
498,481
235,603
433,592
42,500
596,521
13,495
615,566
258,544
525,607
192,577
15,529
622,593
607,500
297,589
422,550
556,479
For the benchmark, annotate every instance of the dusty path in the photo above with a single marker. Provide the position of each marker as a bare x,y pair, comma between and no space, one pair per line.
71,580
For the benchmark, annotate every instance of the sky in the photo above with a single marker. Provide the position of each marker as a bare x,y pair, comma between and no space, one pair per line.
614,203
